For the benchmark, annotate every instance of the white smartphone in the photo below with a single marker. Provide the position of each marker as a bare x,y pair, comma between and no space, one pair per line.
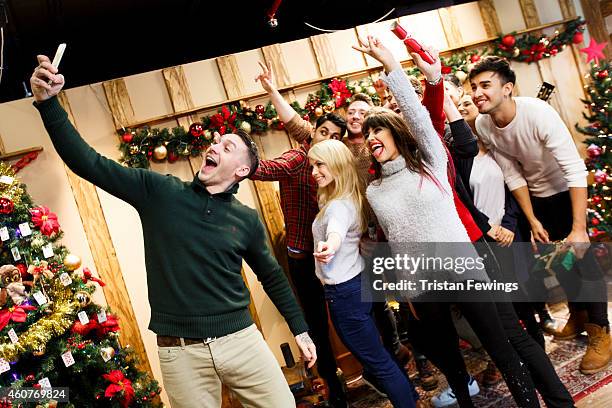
58,55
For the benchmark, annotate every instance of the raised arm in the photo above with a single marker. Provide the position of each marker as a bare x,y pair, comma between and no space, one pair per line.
298,128
416,116
131,185
287,165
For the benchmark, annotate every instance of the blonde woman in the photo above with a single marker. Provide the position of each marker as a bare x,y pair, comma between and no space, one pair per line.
337,230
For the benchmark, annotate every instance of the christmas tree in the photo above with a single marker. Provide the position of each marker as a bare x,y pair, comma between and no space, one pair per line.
599,142
51,333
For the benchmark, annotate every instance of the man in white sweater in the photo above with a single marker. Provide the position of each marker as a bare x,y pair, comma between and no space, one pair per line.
544,171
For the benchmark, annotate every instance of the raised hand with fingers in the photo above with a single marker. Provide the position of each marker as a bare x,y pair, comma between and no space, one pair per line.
375,49
266,78
45,80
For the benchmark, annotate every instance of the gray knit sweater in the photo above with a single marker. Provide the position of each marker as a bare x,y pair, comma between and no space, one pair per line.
413,210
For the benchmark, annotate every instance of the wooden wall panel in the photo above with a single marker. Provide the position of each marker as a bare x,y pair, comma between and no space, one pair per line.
230,75
548,11
596,24
273,55
347,59
512,19
104,256
567,8
426,27
450,25
490,18
300,60
530,13
119,102
249,69
148,95
204,81
324,54
470,22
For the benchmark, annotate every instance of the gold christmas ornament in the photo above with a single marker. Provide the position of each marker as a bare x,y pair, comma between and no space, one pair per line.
516,52
318,111
329,107
160,152
84,298
461,76
134,149
72,262
246,126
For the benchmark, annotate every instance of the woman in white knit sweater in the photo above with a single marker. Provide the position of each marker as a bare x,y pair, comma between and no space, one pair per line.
336,231
413,201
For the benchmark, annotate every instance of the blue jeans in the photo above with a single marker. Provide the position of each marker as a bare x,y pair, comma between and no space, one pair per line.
355,325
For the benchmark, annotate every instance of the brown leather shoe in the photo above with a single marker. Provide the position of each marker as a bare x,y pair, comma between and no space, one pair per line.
574,326
598,352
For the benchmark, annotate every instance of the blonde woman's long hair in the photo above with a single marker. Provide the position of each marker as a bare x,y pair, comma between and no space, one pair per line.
341,164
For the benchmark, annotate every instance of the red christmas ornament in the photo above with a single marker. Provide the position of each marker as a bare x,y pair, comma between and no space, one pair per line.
196,129
23,270
37,386
578,37
446,70
474,58
6,206
508,40
259,109
602,74
594,151
306,117
554,51
595,221
596,199
600,176
127,137
30,377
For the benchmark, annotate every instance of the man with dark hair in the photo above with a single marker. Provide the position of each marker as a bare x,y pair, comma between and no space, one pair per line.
545,173
298,194
196,235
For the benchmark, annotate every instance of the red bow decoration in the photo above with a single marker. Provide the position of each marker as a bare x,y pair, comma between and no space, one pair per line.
44,219
99,329
341,92
88,276
24,161
223,119
119,385
17,314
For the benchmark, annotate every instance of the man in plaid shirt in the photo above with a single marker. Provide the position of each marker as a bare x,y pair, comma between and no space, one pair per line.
298,194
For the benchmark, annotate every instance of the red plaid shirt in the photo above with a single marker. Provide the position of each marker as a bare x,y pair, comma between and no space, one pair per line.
298,194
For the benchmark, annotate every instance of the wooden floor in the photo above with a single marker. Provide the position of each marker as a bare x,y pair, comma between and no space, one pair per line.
601,398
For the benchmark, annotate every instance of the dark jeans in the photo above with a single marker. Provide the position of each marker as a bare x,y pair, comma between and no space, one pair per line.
435,335
586,278
529,345
310,294
355,325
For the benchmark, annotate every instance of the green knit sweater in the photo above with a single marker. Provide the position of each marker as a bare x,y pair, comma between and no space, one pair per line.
194,242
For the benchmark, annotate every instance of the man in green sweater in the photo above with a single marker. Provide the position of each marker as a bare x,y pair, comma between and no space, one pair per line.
196,235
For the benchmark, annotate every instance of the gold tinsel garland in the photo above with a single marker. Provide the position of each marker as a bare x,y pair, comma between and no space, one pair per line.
40,333
12,191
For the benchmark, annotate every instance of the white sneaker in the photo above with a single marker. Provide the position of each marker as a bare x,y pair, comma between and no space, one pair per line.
447,396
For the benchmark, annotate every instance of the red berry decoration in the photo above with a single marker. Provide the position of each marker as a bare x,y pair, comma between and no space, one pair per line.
259,109
127,137
30,377
306,117
508,40
596,199
602,74
595,221
6,206
594,151
475,58
578,37
196,129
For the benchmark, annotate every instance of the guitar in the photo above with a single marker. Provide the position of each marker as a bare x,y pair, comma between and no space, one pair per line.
546,91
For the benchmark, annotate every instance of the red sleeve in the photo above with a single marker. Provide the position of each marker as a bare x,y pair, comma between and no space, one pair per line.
433,100
288,164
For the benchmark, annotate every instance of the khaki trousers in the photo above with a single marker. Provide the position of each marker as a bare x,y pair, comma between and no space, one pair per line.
193,374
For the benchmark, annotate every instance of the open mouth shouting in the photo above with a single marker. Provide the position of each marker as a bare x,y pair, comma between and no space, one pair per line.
210,163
